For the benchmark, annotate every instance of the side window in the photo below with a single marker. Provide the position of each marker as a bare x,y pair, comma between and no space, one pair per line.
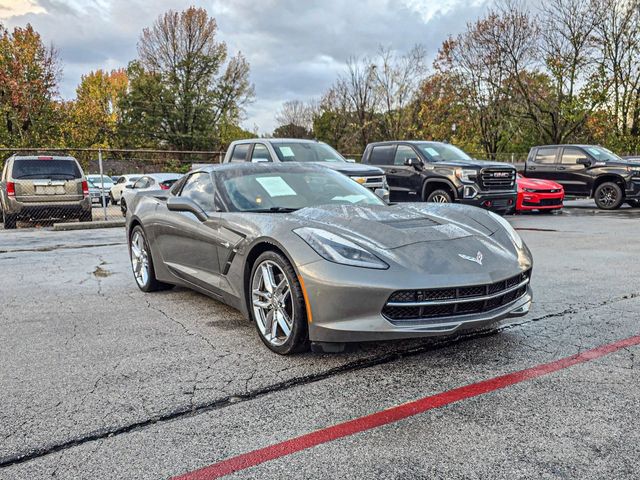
570,156
402,153
121,180
199,188
260,153
546,155
239,153
382,155
142,183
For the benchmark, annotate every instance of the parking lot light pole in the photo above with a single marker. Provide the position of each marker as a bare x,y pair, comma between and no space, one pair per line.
102,199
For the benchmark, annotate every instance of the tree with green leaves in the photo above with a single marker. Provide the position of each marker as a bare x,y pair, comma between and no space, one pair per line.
185,92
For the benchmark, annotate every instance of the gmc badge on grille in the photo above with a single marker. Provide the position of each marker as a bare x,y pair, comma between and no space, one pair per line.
501,174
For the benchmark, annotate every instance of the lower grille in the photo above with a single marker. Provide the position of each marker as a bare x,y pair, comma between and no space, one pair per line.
545,202
409,306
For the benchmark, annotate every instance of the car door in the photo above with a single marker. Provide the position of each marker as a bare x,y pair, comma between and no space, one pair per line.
407,178
572,175
189,246
543,163
382,156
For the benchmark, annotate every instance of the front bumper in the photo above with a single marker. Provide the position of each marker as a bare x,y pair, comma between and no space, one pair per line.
349,309
500,202
539,201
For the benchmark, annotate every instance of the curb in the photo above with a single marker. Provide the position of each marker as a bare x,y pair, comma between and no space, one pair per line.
88,225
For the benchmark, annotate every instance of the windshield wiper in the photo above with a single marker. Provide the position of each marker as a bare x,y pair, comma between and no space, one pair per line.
275,210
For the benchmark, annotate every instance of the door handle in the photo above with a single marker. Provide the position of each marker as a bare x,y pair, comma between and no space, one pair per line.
562,168
531,168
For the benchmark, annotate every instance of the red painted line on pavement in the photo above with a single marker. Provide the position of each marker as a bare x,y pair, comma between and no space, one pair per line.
393,414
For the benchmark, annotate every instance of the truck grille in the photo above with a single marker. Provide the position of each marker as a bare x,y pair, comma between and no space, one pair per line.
495,179
423,306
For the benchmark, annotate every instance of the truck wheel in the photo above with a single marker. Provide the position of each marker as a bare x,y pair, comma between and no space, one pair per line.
439,196
608,196
9,221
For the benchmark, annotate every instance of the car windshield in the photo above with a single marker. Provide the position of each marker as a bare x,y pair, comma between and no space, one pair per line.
97,180
306,152
53,169
442,152
603,155
277,191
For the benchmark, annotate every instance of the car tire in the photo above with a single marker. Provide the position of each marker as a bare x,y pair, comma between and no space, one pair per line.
142,263
276,300
123,207
608,196
86,216
439,196
113,200
9,221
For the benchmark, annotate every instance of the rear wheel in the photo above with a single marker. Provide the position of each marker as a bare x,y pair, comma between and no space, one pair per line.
277,304
608,196
142,263
439,196
86,216
9,221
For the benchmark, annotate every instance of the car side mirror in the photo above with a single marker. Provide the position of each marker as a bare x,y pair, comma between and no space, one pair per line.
584,161
382,193
350,160
412,162
183,204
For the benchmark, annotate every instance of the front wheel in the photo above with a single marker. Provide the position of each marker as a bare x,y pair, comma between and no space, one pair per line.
439,196
608,196
277,304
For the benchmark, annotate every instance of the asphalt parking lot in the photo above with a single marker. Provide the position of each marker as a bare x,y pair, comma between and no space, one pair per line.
99,380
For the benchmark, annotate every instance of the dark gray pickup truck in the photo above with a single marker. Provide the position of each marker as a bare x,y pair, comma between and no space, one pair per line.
587,171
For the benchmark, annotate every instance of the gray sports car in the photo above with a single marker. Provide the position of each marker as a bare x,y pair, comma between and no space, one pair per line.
312,257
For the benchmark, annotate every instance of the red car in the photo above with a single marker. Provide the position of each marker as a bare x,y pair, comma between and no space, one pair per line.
535,194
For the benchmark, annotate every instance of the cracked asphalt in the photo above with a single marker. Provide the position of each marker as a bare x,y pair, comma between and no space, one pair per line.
99,380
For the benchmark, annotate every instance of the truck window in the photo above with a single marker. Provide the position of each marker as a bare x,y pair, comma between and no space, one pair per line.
260,153
239,153
570,156
382,155
546,155
402,153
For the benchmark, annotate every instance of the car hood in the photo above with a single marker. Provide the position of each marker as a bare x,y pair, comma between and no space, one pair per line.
538,184
624,163
352,169
473,163
391,227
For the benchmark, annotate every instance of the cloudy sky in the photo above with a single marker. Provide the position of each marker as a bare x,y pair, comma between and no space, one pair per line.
296,48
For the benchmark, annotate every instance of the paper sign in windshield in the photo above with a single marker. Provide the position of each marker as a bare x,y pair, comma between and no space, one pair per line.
286,152
276,186
431,151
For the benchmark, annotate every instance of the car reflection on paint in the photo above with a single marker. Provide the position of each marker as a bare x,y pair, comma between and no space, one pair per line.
313,258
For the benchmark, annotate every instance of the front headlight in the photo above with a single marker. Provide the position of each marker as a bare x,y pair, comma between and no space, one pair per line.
513,235
529,190
466,175
360,180
337,249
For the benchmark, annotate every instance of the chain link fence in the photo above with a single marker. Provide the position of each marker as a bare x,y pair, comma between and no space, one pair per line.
47,186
